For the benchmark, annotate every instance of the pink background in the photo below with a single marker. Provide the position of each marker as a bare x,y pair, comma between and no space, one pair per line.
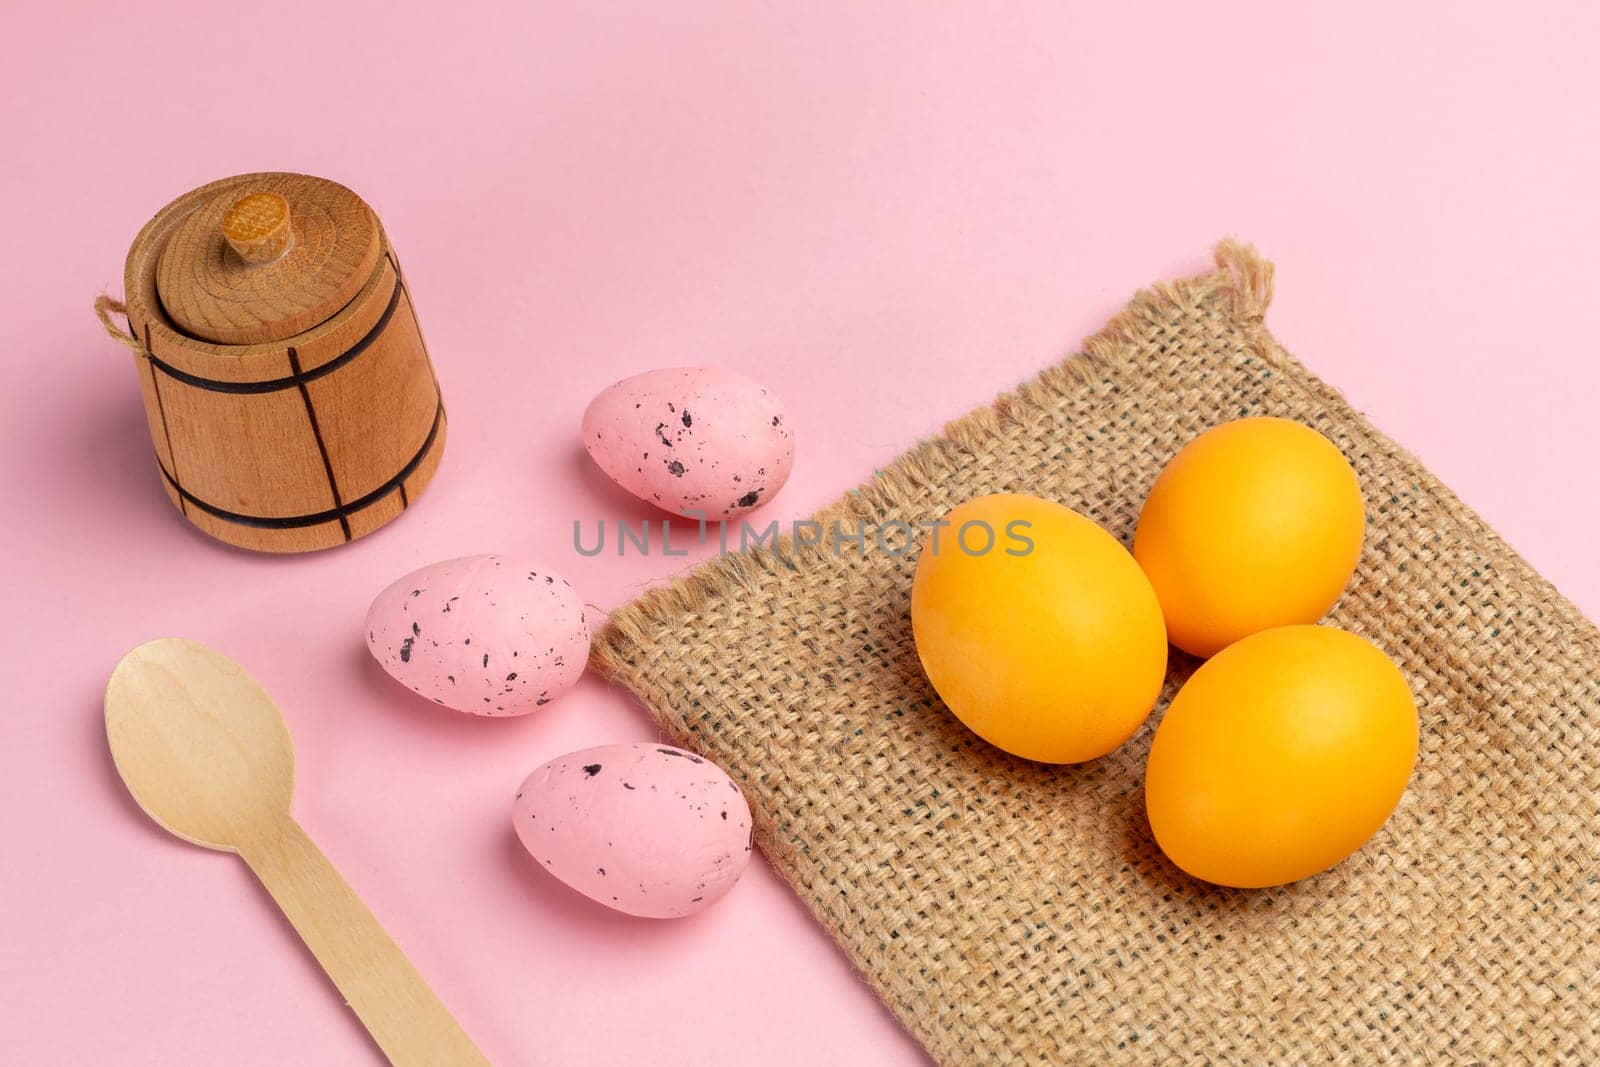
886,212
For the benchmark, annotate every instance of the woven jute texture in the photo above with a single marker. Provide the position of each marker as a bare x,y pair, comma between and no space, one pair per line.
1015,913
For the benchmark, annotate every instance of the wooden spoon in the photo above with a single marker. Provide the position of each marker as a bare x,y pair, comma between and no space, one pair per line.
205,752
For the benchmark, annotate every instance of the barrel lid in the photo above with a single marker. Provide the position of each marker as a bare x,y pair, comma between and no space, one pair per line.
265,261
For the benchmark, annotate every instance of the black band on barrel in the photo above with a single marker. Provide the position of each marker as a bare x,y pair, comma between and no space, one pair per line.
292,381
295,522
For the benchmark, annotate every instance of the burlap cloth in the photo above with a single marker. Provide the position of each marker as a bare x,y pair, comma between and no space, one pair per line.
1015,913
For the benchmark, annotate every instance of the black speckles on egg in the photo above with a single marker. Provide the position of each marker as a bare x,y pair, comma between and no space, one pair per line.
716,427
657,855
481,609
680,799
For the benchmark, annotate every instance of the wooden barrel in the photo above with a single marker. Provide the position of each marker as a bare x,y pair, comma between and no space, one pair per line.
290,397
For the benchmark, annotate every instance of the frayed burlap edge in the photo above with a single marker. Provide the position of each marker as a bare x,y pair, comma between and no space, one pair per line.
1242,279
1240,288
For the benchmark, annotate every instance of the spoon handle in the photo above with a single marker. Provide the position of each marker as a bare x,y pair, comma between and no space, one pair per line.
405,1018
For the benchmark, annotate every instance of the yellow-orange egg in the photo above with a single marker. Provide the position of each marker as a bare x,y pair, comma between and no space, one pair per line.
1255,523
1049,644
1281,756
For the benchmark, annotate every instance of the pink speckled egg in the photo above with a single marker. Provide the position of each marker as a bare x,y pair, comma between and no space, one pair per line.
698,441
491,635
647,829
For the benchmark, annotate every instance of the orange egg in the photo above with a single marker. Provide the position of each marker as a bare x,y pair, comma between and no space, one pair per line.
1049,644
1281,756
1255,523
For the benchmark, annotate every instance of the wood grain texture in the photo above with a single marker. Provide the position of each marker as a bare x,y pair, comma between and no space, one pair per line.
206,754
302,441
257,228
306,270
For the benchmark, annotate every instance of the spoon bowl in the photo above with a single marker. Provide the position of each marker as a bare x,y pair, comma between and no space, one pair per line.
201,746
204,751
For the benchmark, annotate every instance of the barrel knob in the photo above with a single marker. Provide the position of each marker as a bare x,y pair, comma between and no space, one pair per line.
257,228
